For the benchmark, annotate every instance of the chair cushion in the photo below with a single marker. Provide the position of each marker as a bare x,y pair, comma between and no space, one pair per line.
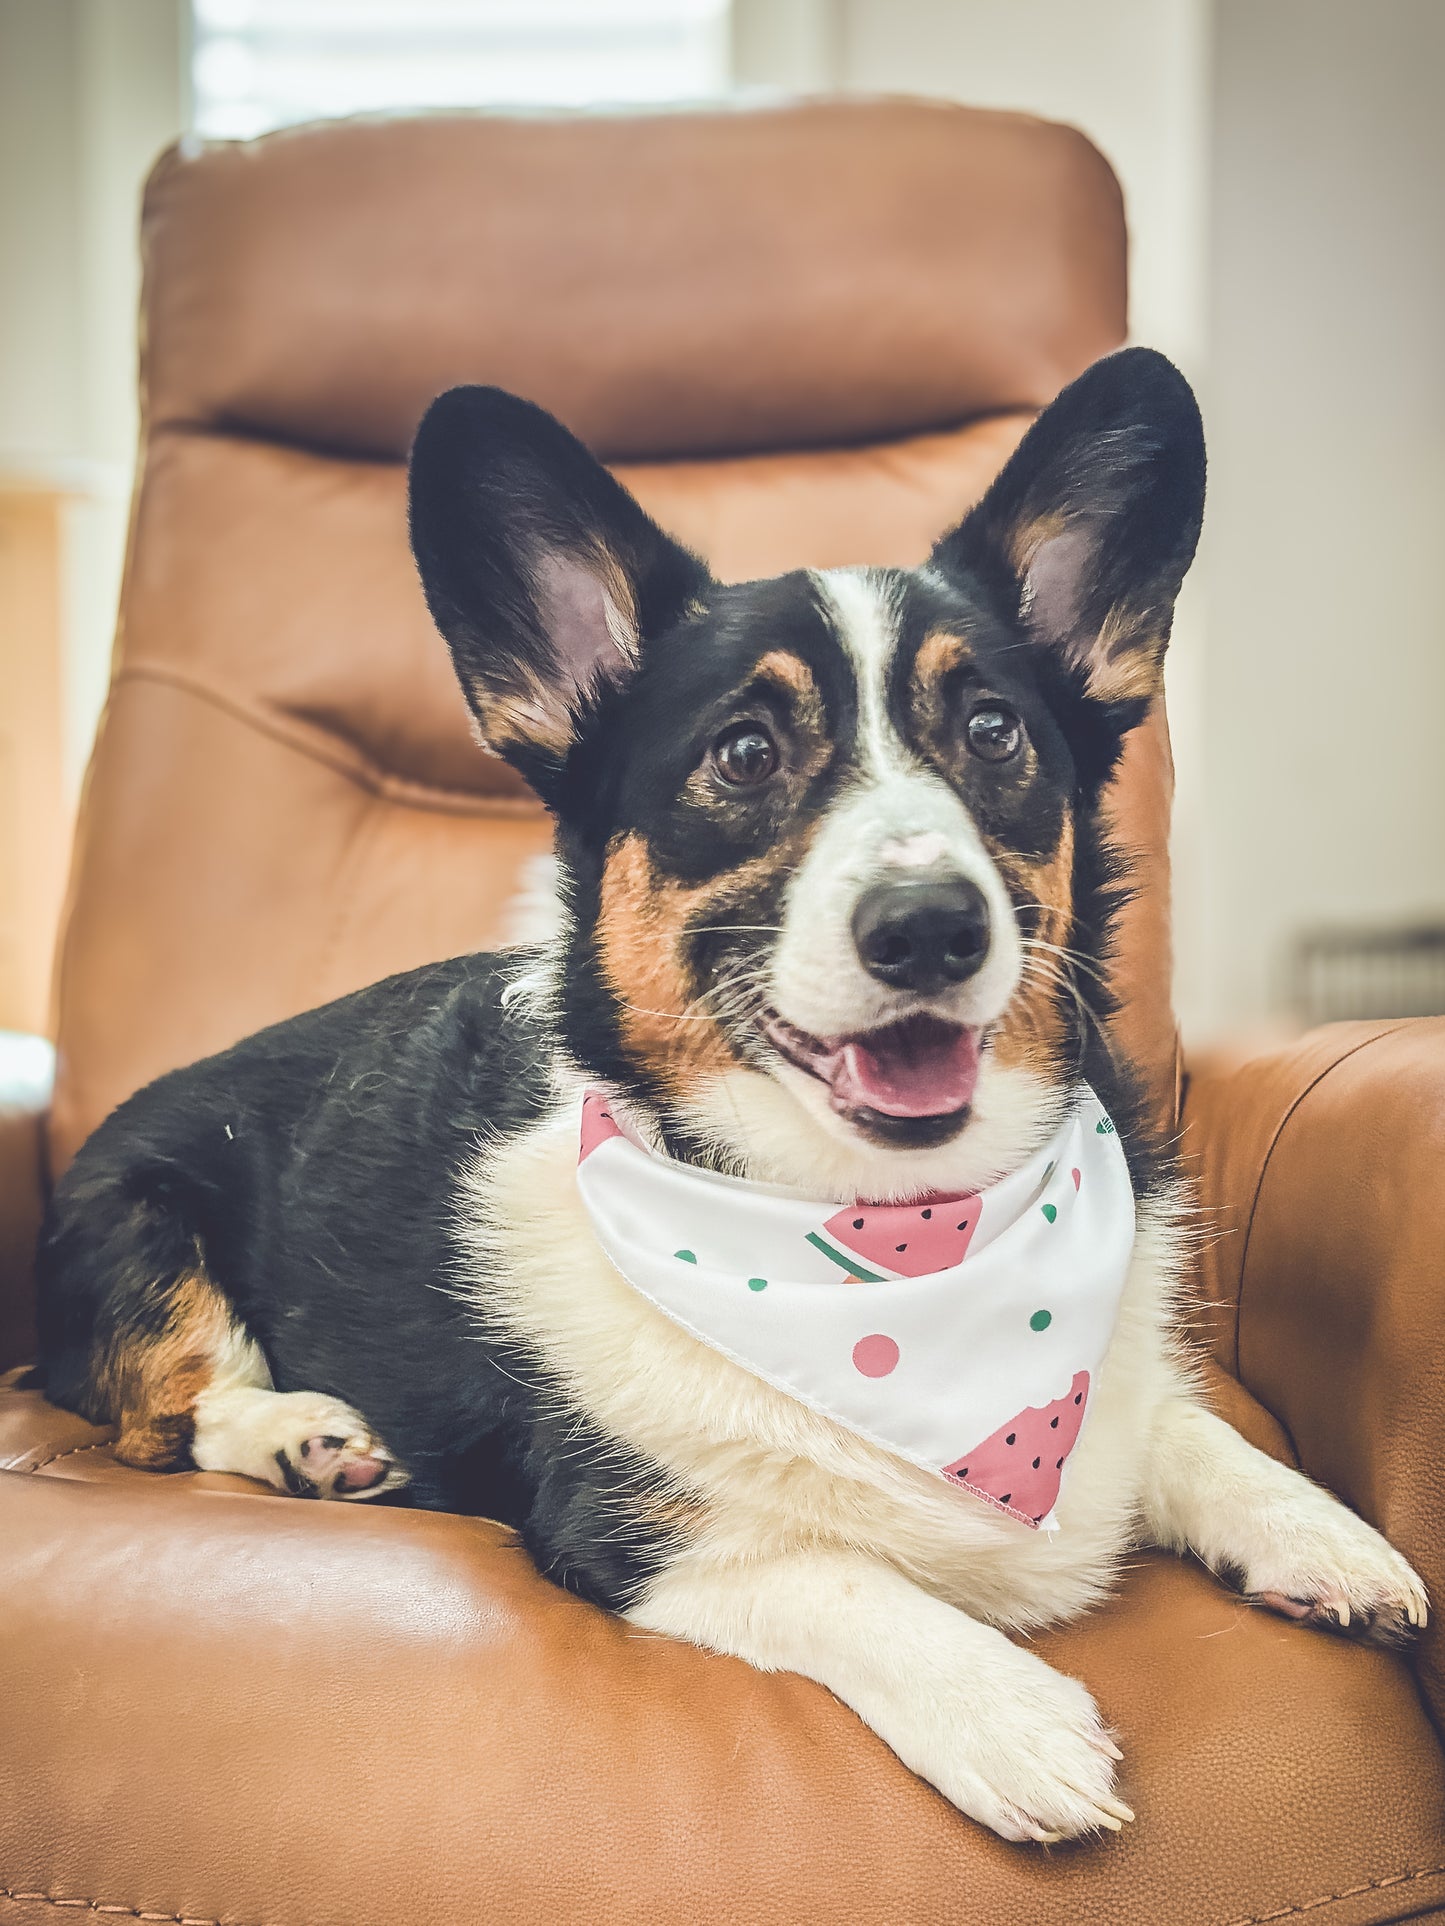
304,1714
790,274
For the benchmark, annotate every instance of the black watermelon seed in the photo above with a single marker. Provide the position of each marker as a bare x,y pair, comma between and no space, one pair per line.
1059,1466
1053,1424
900,1248
928,1213
1079,1399
1036,1464
1010,1438
857,1223
1007,1495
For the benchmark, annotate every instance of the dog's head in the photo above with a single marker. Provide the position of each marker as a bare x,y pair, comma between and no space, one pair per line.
829,842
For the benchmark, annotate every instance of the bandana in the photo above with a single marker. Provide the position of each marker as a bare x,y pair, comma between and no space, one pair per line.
961,1333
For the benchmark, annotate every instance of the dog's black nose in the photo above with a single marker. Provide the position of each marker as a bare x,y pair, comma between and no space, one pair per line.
922,936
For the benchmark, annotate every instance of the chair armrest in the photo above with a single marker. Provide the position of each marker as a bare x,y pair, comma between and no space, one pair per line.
1322,1169
27,1071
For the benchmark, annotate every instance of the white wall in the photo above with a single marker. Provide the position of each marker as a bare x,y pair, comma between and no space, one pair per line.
40,322
1324,719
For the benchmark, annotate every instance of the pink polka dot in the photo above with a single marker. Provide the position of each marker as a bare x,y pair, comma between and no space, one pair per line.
1078,1177
875,1356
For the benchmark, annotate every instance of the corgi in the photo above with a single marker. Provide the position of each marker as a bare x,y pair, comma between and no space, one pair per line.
834,896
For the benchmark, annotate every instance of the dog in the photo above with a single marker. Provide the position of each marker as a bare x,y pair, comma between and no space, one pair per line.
835,897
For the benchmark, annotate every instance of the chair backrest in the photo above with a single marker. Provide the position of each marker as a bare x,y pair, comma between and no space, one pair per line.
805,333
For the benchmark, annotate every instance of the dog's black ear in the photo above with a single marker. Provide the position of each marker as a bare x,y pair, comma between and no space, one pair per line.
1087,533
540,570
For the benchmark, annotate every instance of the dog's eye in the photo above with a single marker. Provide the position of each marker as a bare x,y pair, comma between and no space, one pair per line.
745,754
994,732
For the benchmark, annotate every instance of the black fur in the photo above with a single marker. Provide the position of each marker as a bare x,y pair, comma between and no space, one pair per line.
312,1170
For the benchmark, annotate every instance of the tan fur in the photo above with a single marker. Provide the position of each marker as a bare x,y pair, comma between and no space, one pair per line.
1123,665
519,721
790,675
148,1386
641,929
1032,1030
938,653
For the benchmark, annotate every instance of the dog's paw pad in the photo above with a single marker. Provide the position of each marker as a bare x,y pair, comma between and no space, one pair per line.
324,1449
338,1466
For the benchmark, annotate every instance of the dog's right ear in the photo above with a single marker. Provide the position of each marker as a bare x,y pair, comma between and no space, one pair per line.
541,571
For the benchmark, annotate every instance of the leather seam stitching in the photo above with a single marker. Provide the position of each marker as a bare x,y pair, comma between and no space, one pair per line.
1267,1160
115,1910
1350,1892
337,753
73,1452
105,1906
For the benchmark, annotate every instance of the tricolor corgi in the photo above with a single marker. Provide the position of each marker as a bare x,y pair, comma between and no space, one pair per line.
781,1247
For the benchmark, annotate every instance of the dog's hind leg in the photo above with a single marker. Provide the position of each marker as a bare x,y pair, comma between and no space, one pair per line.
303,1442
138,1335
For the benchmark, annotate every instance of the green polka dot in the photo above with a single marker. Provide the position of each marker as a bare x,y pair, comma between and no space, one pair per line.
1050,1211
757,1283
1041,1320
686,1256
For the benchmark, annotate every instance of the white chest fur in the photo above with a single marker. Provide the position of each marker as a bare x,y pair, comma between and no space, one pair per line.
771,1472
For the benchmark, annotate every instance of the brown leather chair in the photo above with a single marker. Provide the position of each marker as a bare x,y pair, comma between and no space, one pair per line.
805,334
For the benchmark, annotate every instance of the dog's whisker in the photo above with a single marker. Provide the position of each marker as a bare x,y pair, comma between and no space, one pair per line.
723,929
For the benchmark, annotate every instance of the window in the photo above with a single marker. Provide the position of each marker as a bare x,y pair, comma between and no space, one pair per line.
258,64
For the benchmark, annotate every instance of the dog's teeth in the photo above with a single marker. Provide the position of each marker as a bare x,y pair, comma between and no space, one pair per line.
1342,1612
1108,1745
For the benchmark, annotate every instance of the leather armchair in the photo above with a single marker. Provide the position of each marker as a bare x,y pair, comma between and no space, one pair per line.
805,334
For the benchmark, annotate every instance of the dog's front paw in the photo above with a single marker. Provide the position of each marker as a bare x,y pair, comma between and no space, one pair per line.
1027,1754
1324,1566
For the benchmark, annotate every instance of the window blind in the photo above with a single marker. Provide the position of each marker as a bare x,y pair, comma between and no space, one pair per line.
259,64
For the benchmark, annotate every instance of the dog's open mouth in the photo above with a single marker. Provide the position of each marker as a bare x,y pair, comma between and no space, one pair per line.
921,1068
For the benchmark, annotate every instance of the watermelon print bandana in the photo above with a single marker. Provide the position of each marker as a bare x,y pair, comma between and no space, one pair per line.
962,1333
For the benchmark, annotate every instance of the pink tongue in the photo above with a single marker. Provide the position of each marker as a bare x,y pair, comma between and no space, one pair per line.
918,1068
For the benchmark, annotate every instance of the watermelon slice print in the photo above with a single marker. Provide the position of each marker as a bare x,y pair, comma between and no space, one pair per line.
598,1124
1021,1466
876,1241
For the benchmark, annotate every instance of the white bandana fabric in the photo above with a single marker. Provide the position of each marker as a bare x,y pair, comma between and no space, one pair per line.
962,1333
